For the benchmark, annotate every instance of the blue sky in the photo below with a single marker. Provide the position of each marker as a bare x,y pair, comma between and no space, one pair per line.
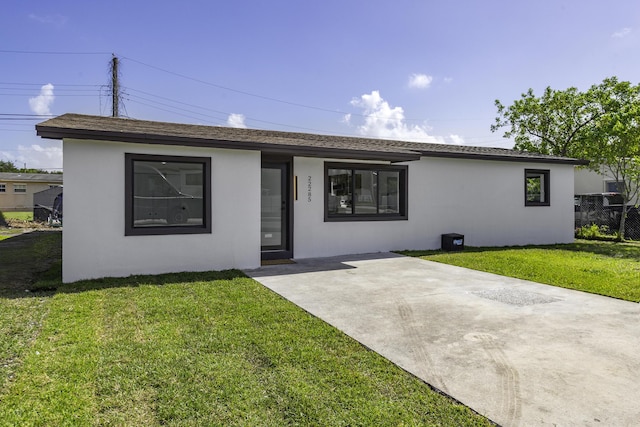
418,70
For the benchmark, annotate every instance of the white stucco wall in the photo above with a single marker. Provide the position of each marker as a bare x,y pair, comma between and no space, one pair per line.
484,200
94,244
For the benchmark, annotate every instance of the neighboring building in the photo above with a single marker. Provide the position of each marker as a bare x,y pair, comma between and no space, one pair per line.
149,197
588,182
17,189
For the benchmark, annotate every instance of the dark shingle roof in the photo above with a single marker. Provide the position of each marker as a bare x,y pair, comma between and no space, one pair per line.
275,142
54,178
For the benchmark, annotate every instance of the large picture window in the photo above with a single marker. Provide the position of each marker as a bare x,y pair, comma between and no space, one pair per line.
536,187
365,192
167,195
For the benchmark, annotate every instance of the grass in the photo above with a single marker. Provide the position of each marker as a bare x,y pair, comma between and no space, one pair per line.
193,349
22,216
605,268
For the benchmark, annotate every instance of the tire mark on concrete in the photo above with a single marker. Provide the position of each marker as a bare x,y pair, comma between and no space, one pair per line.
424,362
509,379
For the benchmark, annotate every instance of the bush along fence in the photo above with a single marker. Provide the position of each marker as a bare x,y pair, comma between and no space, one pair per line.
601,213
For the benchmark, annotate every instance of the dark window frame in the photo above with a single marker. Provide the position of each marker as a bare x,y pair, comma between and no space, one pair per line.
546,173
131,230
403,192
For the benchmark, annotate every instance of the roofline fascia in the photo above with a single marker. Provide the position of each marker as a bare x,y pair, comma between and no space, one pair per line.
394,156
505,158
61,133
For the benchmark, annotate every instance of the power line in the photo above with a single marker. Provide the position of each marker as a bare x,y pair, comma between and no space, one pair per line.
26,115
268,98
78,93
57,88
41,52
57,84
223,120
31,95
18,118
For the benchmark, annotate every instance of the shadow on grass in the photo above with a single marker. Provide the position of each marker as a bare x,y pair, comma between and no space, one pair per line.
25,258
31,267
143,280
627,250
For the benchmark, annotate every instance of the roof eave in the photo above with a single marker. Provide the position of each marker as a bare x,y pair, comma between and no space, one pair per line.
505,158
271,148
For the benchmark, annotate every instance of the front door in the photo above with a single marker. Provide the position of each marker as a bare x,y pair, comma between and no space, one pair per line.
275,230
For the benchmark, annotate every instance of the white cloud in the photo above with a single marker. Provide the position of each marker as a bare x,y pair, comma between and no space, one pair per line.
420,81
448,79
41,104
37,156
383,121
621,33
346,118
456,139
236,120
56,20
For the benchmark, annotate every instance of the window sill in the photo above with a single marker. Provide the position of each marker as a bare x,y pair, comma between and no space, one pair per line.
360,218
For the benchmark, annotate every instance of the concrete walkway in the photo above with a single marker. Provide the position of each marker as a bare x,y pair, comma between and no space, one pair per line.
518,352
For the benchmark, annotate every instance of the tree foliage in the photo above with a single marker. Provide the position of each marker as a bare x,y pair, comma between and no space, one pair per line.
614,143
555,123
601,125
8,166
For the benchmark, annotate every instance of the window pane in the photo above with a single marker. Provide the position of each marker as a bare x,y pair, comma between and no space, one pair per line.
19,188
167,193
388,191
614,187
339,200
271,227
534,188
365,192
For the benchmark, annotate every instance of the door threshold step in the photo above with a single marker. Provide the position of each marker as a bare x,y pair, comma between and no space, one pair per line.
276,261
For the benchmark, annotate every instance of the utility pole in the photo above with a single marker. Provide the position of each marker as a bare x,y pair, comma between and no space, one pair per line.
115,87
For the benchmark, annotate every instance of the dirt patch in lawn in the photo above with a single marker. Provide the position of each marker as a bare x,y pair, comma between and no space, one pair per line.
26,225
25,257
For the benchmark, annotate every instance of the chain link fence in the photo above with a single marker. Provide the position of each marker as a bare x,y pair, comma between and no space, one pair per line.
605,211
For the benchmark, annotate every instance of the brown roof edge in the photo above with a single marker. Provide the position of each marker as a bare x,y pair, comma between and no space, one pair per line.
311,145
271,148
510,158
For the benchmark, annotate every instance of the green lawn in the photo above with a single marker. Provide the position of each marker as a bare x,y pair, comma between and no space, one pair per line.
23,216
606,268
193,349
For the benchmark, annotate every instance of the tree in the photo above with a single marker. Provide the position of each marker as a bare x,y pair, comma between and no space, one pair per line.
601,125
8,166
614,143
555,123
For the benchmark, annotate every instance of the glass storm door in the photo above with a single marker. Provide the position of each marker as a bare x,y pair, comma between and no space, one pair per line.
274,219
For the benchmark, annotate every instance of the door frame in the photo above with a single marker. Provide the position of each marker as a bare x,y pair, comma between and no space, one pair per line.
286,163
